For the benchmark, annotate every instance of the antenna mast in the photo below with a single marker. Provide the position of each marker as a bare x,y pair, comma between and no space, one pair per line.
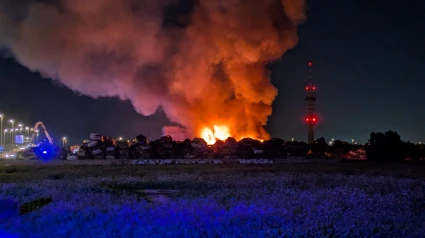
310,99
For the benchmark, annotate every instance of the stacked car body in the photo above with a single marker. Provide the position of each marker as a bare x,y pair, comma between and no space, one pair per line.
98,147
122,150
102,147
139,148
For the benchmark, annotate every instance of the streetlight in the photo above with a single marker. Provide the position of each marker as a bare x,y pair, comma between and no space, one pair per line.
292,139
64,142
11,131
4,135
20,128
14,139
352,140
1,129
27,129
13,134
120,138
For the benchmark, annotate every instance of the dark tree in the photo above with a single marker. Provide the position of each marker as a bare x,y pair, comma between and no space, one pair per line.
296,148
421,150
320,146
340,147
386,147
411,150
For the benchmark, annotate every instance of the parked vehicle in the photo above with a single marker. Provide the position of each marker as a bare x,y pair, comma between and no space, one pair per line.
72,156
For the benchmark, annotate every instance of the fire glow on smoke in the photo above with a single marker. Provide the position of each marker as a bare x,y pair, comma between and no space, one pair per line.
206,66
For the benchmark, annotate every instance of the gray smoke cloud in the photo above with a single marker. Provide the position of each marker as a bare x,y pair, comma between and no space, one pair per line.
211,71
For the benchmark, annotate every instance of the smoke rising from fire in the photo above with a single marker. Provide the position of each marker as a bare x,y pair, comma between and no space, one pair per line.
209,70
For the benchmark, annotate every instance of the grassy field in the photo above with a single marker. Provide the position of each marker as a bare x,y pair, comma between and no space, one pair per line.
310,199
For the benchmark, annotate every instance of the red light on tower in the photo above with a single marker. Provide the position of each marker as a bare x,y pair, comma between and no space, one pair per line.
310,64
308,88
311,119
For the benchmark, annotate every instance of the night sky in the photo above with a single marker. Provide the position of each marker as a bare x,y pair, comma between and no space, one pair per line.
369,65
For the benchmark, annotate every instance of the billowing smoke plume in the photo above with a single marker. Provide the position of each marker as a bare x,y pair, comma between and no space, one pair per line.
207,70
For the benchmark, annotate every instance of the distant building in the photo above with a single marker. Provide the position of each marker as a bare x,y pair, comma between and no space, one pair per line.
176,132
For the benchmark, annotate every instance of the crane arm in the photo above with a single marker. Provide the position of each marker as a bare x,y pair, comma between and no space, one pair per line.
34,132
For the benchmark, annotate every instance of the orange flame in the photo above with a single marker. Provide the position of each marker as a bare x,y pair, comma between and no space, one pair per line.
220,133
217,133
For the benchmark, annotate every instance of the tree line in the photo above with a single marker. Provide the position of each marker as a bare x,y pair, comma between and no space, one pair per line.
381,147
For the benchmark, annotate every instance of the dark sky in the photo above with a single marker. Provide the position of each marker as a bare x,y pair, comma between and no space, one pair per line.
369,65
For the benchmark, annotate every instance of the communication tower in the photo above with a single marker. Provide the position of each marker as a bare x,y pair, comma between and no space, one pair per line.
310,99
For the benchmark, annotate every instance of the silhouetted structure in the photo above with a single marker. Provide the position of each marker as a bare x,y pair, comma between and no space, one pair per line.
310,99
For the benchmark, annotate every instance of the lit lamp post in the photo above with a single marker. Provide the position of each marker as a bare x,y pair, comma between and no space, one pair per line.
11,131
14,139
37,135
27,131
1,129
4,135
120,138
20,128
64,142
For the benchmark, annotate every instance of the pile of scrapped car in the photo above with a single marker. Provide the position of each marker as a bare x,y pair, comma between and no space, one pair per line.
103,147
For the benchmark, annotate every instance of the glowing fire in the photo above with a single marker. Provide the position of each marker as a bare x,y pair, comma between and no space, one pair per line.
217,133
220,133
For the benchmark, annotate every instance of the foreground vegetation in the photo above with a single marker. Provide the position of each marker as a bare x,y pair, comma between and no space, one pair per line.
313,199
